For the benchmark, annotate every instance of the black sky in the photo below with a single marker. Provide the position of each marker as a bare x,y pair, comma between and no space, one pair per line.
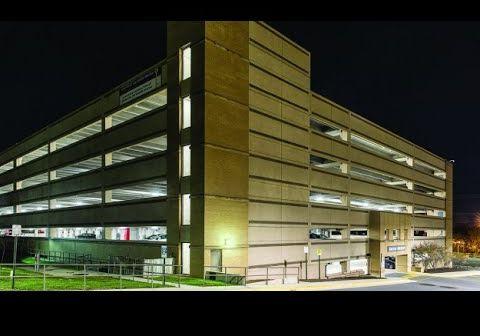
418,79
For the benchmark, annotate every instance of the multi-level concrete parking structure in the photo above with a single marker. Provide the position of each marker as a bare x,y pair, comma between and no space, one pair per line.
221,155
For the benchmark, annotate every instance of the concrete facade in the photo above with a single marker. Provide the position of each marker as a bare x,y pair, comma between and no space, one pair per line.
276,169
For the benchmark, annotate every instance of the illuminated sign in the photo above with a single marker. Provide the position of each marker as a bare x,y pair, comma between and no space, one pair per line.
140,86
396,248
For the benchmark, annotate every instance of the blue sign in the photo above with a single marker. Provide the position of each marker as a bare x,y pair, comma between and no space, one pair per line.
396,248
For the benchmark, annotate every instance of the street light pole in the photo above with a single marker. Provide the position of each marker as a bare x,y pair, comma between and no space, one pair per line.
319,268
15,241
305,250
306,265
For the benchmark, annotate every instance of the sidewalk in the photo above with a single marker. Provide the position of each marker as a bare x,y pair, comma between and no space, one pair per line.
302,286
447,274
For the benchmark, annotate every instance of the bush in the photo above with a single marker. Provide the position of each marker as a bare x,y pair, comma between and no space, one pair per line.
432,256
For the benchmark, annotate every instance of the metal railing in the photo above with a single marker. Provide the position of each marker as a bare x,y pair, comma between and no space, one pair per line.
91,276
274,274
86,276
65,257
258,275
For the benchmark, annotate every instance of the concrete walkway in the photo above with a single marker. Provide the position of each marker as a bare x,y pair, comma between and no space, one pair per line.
302,286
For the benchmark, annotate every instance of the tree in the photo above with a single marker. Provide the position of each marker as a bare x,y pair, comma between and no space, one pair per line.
431,255
476,220
473,239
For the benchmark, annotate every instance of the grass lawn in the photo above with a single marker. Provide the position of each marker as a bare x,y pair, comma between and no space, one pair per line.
5,271
66,283
186,280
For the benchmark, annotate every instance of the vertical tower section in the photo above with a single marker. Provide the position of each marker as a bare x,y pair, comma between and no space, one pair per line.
279,190
217,184
225,148
179,36
449,207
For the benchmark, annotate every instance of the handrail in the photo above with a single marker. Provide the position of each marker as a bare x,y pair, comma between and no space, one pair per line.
131,274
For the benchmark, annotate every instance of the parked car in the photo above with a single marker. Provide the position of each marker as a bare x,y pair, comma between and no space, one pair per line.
86,235
157,237
336,234
390,262
28,232
420,233
333,235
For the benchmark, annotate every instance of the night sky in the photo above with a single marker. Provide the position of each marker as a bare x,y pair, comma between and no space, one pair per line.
418,79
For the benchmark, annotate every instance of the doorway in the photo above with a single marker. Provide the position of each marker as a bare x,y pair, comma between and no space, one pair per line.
186,258
216,260
390,263
402,263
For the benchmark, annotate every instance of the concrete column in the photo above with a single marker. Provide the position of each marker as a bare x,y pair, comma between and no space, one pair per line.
52,232
108,122
345,266
108,196
52,146
404,234
375,268
108,159
381,270
219,91
108,233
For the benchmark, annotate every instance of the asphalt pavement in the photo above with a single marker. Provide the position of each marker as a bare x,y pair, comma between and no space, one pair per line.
451,281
